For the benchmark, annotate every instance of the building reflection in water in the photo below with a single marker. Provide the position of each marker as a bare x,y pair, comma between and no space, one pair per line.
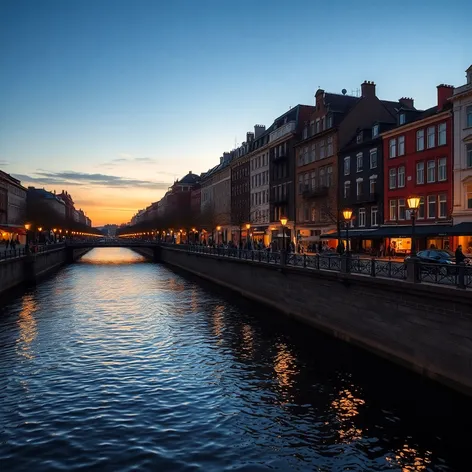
218,322
409,459
286,369
346,408
247,347
27,326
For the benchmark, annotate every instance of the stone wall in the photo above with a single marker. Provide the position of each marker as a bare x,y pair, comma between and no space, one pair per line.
424,327
28,269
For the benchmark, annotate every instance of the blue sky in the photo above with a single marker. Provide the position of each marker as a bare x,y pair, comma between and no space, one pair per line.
100,96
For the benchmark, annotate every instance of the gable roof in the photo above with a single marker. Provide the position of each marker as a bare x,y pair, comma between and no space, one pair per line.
340,103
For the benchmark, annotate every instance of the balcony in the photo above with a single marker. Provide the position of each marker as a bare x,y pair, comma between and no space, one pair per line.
283,130
317,192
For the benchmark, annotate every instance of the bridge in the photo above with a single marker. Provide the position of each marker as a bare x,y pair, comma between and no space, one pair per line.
111,243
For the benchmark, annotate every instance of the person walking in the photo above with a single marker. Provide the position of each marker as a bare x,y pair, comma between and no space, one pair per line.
460,257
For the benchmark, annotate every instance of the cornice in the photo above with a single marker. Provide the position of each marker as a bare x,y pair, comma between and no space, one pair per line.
417,124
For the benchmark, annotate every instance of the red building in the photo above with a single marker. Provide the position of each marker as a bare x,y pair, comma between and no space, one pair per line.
418,160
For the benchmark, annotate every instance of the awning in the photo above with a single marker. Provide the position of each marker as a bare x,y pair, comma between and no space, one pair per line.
404,231
353,233
13,229
462,229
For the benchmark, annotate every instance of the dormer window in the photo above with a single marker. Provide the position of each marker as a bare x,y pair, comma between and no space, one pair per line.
375,131
329,121
305,132
359,138
402,118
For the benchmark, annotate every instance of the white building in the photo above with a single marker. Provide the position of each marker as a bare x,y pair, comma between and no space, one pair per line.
462,109
259,185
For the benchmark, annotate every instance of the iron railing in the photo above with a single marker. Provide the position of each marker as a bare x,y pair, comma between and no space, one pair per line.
24,251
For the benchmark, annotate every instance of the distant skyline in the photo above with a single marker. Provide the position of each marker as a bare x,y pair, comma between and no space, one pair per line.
113,100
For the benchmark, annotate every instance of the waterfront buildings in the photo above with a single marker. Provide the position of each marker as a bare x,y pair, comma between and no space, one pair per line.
418,161
316,166
12,207
462,167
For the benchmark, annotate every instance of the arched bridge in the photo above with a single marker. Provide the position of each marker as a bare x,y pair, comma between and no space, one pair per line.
111,243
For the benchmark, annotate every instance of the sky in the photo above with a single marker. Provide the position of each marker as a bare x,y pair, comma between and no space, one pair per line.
112,100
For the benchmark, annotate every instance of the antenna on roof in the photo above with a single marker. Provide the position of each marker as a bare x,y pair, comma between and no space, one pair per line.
356,92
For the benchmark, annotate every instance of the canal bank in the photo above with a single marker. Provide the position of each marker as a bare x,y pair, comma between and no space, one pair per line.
31,268
423,327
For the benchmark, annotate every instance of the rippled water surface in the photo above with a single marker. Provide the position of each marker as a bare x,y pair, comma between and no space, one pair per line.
118,364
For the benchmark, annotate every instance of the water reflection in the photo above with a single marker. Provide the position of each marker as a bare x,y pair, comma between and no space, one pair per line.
27,326
346,408
137,368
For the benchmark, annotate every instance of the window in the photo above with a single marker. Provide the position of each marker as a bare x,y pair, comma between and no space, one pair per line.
373,158
306,213
329,122
374,216
401,209
313,180
322,178
329,176
360,162
442,205
393,148
392,181
431,137
359,185
313,153
300,183
361,217
401,145
306,181
420,140
393,210
402,118
318,125
322,149
347,165
431,206
347,189
431,171
313,214
372,184
469,155
375,131
442,173
420,173
401,176
305,133
330,146
468,112
442,134
468,196
420,214
359,138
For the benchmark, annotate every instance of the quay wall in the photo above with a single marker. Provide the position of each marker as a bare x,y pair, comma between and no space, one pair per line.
423,327
28,269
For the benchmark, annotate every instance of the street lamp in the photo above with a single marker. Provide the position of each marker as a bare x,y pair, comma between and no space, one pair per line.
248,227
347,215
283,222
27,228
413,205
218,229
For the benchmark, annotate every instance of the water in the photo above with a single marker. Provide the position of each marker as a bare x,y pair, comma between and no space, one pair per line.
118,364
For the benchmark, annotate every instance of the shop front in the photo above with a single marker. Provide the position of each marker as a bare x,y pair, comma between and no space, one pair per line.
12,233
260,235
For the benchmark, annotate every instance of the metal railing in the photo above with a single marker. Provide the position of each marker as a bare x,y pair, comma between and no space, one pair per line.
24,251
446,274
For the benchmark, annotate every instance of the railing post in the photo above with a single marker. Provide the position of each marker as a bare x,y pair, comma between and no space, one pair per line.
317,261
461,278
304,260
412,271
345,264
283,258
372,267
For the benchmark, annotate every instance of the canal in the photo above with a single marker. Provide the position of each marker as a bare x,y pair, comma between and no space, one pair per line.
118,364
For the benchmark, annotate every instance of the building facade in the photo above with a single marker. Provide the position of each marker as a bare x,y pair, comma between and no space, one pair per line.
260,186
360,163
316,167
283,138
418,161
462,110
12,207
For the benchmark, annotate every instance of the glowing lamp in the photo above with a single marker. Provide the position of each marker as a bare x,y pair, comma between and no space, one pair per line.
347,214
413,202
283,221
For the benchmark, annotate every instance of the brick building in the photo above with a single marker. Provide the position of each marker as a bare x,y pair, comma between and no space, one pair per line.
418,160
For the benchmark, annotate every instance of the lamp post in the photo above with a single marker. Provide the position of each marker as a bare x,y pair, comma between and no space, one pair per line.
218,229
27,228
248,227
413,205
347,215
283,222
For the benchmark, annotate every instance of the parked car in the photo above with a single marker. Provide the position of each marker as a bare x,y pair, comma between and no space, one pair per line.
435,256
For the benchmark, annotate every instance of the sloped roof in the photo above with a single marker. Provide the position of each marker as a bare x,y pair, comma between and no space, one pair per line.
339,103
190,179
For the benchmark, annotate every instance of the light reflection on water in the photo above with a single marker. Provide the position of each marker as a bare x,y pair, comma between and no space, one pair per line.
118,364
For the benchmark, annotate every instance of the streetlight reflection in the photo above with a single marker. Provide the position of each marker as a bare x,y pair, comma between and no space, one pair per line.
285,367
27,326
346,407
410,459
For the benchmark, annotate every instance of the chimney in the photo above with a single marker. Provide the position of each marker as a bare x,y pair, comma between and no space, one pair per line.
444,92
406,102
259,130
368,89
190,172
249,137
